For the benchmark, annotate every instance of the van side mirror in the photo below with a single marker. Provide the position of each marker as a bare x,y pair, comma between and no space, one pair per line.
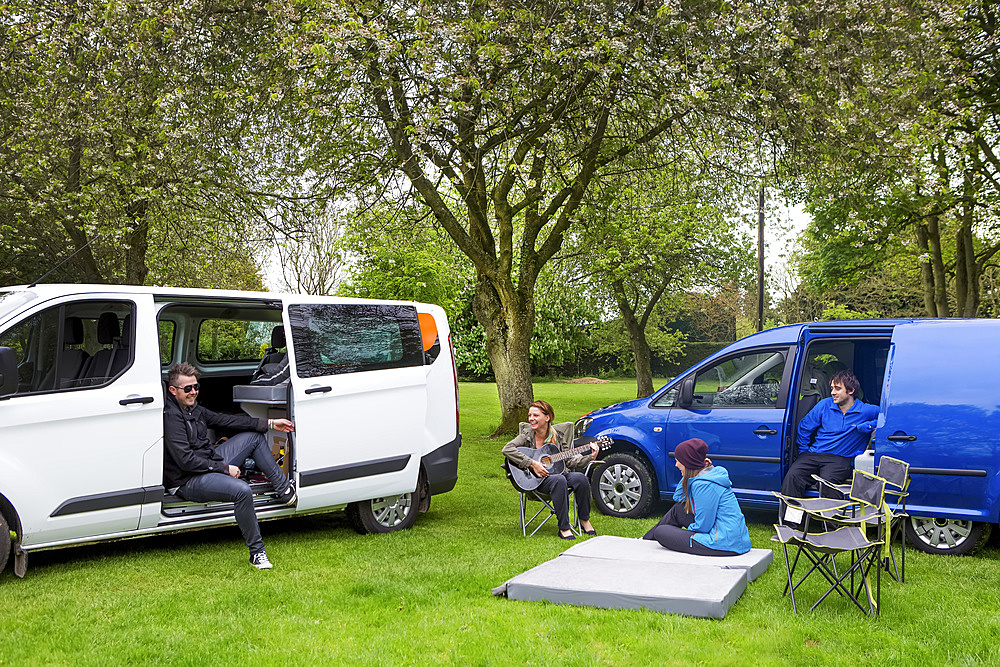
685,393
8,372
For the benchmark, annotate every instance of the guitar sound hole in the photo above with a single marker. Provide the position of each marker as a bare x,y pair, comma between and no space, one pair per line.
546,461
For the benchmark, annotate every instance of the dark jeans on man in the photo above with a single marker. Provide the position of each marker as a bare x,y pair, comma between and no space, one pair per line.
672,534
557,487
216,486
831,467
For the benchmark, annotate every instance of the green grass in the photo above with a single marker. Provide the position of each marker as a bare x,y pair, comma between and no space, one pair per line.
424,595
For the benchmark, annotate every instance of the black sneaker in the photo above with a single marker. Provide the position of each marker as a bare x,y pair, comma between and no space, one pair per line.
288,496
259,560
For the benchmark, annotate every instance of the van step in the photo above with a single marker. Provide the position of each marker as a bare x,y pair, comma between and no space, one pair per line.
173,506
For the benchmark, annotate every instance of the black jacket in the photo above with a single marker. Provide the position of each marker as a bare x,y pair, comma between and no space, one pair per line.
187,450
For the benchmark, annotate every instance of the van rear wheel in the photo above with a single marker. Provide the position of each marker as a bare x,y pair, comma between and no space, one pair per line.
384,515
623,486
951,537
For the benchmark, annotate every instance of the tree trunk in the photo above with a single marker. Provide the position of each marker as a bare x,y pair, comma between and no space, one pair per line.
83,260
937,266
509,320
637,339
136,269
966,267
926,273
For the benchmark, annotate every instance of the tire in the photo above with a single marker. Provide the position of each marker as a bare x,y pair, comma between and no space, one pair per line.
950,537
5,542
623,486
384,515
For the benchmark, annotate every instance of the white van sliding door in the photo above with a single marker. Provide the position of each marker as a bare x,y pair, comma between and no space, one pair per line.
89,406
359,399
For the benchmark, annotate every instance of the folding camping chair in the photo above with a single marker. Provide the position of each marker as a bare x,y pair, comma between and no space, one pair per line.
525,496
896,474
845,523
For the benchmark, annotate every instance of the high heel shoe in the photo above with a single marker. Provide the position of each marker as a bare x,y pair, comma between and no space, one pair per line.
571,536
590,532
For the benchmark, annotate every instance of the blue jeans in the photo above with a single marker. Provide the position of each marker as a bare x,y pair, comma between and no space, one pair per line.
217,486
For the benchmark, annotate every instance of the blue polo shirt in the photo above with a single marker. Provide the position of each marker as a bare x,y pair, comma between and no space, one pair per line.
843,434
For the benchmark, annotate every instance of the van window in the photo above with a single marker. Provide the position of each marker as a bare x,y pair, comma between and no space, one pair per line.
221,340
165,332
348,338
747,381
74,345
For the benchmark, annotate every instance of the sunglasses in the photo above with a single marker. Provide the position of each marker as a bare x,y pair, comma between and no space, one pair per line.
188,388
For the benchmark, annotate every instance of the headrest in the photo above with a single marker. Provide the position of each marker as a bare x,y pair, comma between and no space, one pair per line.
107,328
278,337
73,331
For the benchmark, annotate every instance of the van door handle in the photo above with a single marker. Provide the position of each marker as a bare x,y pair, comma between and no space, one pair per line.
318,390
765,431
902,438
140,399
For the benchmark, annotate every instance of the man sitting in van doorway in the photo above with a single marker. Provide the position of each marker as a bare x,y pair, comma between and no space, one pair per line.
842,426
202,472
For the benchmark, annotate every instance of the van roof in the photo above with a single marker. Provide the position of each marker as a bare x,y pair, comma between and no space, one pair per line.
49,290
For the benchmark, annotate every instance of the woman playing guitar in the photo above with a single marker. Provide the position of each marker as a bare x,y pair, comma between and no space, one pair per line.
537,432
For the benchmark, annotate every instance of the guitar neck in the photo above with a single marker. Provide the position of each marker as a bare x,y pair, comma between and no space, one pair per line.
570,452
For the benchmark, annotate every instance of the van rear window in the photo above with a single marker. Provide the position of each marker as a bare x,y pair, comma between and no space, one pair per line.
330,339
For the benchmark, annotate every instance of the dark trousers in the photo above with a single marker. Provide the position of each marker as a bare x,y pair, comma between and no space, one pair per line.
217,486
831,467
671,533
557,487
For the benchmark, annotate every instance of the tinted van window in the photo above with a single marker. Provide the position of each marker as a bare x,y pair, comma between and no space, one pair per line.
746,381
83,344
348,338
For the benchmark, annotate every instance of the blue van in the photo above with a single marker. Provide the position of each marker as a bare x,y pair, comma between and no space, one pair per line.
939,409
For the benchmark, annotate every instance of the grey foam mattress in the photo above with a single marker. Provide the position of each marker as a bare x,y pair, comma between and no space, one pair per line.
755,561
626,573
691,590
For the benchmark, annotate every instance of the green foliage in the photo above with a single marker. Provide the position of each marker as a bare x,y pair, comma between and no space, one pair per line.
836,311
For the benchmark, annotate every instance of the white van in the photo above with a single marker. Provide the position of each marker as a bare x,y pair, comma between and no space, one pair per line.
372,390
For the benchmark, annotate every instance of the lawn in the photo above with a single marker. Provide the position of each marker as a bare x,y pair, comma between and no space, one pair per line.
424,595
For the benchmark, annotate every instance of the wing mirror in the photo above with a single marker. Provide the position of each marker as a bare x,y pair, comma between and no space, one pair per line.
685,393
8,372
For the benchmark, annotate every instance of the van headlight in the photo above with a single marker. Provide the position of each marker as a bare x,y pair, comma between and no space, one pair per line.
582,424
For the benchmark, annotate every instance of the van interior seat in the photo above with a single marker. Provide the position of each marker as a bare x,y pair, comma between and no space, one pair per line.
72,359
273,367
108,361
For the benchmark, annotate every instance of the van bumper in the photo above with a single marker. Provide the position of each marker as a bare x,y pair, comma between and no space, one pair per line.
441,466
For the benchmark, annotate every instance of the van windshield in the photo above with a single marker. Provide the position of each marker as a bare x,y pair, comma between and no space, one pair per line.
11,301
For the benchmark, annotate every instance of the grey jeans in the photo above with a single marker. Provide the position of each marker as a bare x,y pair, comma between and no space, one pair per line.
217,486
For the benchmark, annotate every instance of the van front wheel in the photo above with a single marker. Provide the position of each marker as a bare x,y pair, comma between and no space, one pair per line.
950,537
384,515
623,486
4,542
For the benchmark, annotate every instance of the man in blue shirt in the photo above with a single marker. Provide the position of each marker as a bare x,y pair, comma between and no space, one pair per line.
842,426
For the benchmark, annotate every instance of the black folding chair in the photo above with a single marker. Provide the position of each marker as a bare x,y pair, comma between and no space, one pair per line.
896,474
539,515
845,524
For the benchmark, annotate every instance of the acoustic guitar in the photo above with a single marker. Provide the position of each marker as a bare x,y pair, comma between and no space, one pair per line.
551,459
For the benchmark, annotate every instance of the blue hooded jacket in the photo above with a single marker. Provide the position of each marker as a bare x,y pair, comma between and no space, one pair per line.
718,519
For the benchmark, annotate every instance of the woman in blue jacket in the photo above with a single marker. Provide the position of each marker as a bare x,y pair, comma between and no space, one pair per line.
706,519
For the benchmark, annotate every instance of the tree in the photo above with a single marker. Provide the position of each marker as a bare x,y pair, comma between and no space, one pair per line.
500,116
125,123
654,233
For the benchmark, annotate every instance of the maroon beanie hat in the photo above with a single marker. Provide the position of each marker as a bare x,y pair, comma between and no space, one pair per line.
691,453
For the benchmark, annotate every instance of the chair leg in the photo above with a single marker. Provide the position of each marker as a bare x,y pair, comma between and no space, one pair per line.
789,588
